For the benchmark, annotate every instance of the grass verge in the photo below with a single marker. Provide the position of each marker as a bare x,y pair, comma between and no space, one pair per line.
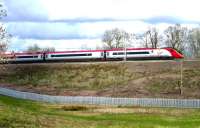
16,113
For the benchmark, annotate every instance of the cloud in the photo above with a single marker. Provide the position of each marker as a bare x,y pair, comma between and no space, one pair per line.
49,22
25,10
121,9
84,32
81,10
165,19
62,30
35,30
60,45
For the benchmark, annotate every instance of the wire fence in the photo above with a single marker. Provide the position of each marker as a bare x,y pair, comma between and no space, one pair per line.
143,102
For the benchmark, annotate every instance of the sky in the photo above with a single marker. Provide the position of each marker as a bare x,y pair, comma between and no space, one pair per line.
75,24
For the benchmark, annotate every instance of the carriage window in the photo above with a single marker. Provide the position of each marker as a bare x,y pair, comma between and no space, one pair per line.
118,53
71,55
101,53
27,57
130,53
137,53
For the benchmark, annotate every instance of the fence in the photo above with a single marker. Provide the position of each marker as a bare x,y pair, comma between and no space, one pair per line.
144,102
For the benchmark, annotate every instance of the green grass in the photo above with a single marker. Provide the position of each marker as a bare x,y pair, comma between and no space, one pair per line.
15,113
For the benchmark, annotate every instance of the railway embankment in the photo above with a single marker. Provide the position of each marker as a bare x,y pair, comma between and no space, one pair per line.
153,79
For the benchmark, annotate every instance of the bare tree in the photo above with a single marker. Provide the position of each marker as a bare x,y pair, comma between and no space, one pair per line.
194,42
36,48
116,38
3,12
176,37
48,49
4,36
149,39
145,39
4,39
85,47
99,47
152,38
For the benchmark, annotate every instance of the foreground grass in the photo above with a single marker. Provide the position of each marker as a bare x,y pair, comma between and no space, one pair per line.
15,113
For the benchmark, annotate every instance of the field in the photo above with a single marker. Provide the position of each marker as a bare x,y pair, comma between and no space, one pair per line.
116,79
15,113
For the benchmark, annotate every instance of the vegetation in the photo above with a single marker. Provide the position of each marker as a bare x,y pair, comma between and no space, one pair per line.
150,38
15,113
36,48
4,36
176,37
131,79
3,33
183,39
171,85
116,38
3,12
90,77
4,41
194,39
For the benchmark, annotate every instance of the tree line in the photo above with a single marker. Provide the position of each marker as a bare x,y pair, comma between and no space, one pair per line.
184,40
36,48
4,35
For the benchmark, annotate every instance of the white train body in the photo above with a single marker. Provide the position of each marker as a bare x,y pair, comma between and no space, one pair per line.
75,55
97,55
27,57
139,54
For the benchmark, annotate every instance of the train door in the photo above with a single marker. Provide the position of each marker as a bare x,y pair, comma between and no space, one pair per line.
104,55
44,56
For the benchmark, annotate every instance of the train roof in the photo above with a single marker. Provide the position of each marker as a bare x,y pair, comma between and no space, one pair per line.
77,51
114,49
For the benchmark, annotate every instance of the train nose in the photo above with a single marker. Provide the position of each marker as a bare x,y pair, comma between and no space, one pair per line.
175,54
180,56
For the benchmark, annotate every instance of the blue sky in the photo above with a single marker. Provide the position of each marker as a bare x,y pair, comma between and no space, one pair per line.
72,24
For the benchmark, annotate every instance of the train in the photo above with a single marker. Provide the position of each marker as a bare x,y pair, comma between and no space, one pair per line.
96,55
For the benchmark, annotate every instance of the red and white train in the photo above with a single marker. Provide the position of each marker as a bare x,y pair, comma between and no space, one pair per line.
97,55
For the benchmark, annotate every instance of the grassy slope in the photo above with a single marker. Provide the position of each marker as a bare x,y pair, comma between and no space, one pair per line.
67,76
133,79
15,113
